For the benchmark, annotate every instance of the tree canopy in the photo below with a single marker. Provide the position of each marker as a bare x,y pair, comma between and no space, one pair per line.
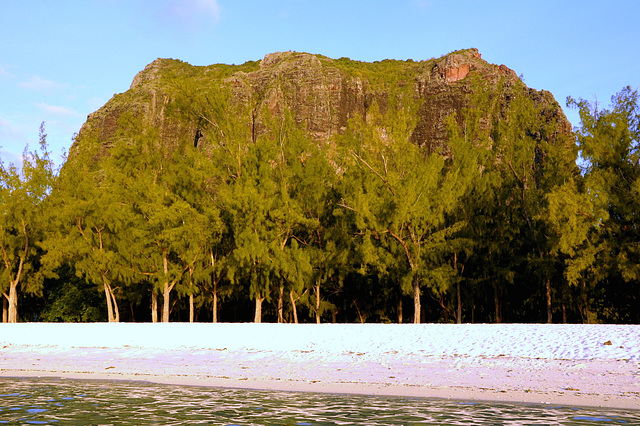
499,224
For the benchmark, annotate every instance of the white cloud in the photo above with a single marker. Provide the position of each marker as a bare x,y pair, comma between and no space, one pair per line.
8,158
58,110
425,5
39,84
190,13
195,8
12,143
5,73
208,7
11,134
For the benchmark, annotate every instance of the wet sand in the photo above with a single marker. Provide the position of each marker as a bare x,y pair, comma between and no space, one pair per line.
581,365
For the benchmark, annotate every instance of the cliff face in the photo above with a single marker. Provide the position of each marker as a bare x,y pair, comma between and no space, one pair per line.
321,95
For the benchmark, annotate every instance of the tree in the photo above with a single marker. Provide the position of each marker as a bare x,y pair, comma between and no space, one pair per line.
90,227
328,243
23,196
70,298
205,253
313,256
488,244
609,142
524,156
266,214
576,222
168,231
400,199
213,280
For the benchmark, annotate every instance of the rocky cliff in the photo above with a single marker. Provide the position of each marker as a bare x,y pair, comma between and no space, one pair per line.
321,95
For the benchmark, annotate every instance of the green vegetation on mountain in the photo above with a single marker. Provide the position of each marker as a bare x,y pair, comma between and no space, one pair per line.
305,189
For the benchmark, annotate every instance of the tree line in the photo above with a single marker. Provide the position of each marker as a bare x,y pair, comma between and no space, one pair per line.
499,225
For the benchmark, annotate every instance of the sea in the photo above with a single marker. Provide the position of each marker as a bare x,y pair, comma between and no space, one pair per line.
51,401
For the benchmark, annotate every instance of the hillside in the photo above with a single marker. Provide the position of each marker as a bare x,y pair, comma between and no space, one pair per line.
301,188
321,93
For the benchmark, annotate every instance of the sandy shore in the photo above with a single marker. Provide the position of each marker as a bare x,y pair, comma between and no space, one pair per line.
583,365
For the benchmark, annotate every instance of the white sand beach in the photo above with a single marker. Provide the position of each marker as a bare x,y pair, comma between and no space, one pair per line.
582,365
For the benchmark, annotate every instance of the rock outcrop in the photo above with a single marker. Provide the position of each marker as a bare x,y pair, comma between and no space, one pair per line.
321,94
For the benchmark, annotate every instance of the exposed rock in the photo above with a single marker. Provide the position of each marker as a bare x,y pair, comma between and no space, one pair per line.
456,66
320,97
321,94
149,72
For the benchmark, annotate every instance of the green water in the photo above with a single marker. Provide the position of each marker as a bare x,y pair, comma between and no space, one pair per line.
84,402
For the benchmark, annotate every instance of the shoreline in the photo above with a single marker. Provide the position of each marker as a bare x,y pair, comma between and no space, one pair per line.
574,365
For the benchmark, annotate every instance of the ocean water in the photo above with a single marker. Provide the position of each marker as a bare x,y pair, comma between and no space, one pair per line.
89,402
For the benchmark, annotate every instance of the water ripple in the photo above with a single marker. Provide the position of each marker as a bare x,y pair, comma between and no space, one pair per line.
62,401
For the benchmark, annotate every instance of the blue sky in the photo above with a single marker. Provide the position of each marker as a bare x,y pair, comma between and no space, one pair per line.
62,59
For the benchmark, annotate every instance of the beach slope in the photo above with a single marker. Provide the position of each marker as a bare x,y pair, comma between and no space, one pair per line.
583,365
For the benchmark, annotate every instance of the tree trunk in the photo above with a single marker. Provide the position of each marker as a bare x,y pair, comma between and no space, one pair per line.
258,314
5,308
459,296
166,291
416,299
108,297
548,293
154,305
360,317
215,301
281,305
445,310
116,310
12,315
166,301
459,310
317,301
496,301
293,305
112,306
564,303
215,287
400,319
191,308
587,314
133,314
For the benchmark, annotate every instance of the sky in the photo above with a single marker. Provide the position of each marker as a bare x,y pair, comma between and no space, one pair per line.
61,60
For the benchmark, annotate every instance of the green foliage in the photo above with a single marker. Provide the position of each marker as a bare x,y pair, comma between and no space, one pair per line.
87,228
399,198
23,220
609,256
266,199
498,224
382,74
72,300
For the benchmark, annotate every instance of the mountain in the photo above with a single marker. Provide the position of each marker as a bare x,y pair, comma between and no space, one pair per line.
321,94
305,176
301,188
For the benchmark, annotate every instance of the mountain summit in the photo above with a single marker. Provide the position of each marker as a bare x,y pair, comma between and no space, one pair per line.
322,180
321,95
